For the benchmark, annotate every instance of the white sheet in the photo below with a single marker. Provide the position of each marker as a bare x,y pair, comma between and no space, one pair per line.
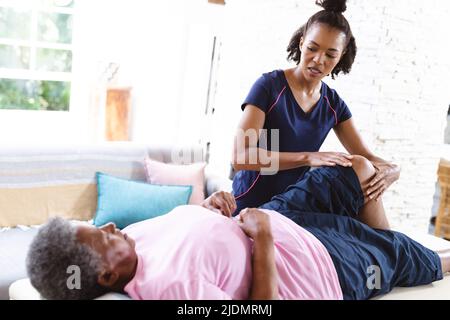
439,290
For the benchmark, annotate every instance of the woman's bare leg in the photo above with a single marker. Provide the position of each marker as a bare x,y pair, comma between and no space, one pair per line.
445,261
372,213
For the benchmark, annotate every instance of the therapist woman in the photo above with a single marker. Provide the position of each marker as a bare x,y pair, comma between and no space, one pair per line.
304,109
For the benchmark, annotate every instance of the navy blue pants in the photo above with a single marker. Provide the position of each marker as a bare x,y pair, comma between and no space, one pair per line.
369,262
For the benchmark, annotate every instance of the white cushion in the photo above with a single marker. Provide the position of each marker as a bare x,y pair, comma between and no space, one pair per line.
23,290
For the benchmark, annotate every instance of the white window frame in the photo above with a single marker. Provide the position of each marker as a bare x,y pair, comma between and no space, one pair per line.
33,44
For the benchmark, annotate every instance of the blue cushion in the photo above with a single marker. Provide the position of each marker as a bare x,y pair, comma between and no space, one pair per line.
125,202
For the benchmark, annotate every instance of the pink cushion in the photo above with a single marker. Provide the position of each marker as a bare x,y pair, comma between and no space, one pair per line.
172,174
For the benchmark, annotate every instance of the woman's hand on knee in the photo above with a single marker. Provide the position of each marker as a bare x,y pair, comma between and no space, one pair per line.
328,159
386,174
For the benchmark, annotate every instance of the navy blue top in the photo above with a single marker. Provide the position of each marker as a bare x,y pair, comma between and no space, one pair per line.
298,132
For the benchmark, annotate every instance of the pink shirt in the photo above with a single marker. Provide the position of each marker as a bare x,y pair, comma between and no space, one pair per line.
195,253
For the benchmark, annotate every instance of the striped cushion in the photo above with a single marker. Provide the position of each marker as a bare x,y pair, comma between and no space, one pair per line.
40,182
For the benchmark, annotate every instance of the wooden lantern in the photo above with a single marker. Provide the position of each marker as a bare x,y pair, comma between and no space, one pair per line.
117,113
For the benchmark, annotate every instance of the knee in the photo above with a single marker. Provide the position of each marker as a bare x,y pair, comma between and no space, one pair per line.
364,168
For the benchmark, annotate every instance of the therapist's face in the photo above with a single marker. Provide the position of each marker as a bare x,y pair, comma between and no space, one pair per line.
322,47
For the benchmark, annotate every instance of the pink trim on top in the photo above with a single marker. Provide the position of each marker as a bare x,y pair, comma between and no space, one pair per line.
335,114
279,96
251,187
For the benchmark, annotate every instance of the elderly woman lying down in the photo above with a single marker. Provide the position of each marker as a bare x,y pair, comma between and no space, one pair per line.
194,252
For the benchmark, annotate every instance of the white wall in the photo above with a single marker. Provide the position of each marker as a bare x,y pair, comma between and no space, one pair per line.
447,131
398,90
163,48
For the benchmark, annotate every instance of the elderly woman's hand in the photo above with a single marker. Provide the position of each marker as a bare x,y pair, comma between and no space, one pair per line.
255,223
386,174
221,202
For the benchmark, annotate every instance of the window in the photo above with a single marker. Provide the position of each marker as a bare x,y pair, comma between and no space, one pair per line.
35,54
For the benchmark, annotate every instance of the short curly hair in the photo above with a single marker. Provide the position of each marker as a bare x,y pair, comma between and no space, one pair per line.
55,249
333,17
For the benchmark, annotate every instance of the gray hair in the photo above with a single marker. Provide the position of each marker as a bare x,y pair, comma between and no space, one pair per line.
52,253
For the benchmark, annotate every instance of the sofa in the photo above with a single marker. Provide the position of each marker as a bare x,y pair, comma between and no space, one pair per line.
38,182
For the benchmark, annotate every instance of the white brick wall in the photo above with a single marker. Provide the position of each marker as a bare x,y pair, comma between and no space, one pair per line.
398,90
447,131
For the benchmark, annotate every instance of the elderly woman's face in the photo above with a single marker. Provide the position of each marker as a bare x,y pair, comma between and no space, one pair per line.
115,248
322,47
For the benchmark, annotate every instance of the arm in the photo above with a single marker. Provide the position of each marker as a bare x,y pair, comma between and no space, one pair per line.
387,173
264,281
247,155
245,148
256,224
